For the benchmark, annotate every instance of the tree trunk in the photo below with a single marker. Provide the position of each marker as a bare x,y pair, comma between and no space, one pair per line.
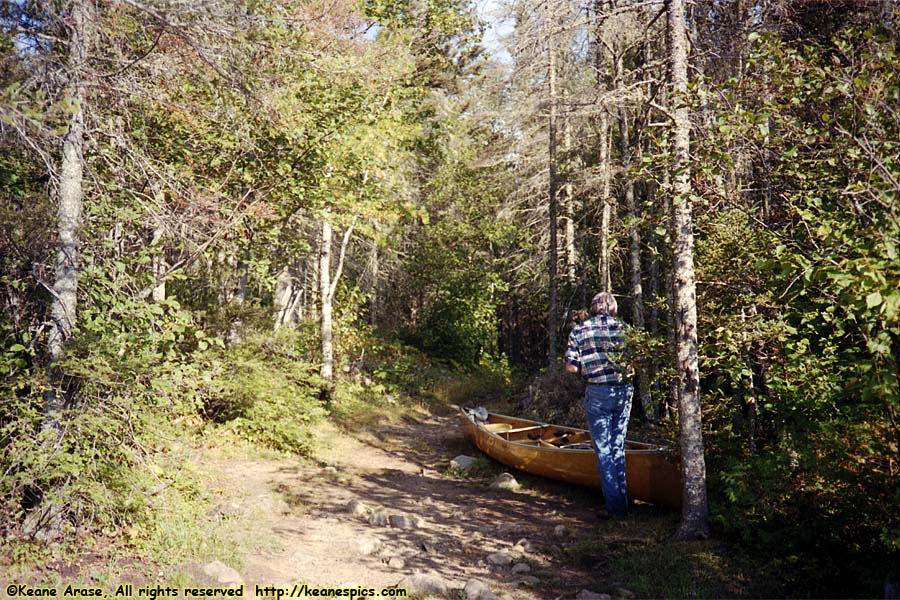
284,292
601,73
326,324
571,247
327,287
606,206
552,260
375,298
694,510
158,264
634,229
64,306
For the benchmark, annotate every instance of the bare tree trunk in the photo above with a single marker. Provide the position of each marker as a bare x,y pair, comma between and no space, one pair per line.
375,298
238,296
158,265
606,207
327,287
602,80
571,248
694,509
673,397
64,306
284,292
554,283
634,229
326,323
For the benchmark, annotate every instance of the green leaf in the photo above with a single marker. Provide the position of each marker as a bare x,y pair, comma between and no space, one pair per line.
16,348
873,299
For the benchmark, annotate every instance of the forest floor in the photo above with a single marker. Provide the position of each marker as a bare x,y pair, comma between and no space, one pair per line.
303,531
294,524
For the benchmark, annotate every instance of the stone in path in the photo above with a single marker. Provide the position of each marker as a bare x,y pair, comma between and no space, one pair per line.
422,584
367,545
402,521
379,518
501,559
525,546
357,508
505,481
476,590
222,574
463,463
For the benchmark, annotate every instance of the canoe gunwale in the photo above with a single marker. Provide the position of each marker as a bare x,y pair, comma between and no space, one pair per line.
631,446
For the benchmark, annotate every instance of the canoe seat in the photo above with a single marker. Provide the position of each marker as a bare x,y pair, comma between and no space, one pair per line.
529,428
497,427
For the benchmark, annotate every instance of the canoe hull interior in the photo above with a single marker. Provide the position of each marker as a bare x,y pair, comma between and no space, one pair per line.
651,473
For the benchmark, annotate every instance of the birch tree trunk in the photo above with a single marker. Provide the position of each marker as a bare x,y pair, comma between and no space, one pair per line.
284,292
327,287
64,306
606,207
375,298
552,260
603,155
326,324
694,523
158,264
571,247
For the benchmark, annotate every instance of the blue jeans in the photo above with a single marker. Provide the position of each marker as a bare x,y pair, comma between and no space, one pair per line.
608,408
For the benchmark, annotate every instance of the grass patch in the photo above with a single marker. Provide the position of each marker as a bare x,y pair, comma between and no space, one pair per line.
682,570
638,555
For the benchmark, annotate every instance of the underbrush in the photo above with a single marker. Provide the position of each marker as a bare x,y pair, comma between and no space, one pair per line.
142,393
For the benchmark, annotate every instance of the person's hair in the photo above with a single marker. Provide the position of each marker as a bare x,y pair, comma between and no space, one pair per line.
605,304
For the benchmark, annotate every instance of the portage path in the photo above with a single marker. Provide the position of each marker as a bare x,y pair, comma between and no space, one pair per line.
379,508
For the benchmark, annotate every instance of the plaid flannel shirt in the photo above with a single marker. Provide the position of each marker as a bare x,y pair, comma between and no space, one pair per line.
597,346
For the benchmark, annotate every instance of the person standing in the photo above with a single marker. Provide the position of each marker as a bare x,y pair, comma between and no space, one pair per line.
596,349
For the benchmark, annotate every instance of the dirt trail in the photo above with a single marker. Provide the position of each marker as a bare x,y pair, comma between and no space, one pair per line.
302,531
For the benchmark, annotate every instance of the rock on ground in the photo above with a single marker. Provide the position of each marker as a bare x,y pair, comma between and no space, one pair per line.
477,590
463,463
505,481
525,546
422,584
501,559
222,574
357,508
367,545
406,521
379,518
519,568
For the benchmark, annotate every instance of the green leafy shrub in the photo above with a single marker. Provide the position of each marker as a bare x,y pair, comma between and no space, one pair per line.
264,388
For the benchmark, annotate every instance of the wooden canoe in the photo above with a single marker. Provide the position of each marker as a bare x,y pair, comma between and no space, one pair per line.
564,453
